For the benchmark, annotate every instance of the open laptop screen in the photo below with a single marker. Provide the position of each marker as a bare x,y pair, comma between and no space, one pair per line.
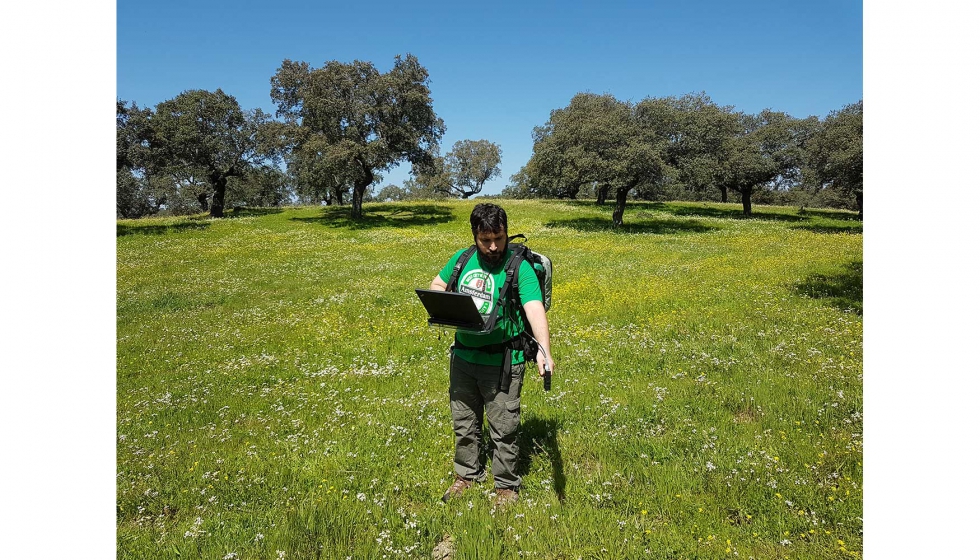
451,309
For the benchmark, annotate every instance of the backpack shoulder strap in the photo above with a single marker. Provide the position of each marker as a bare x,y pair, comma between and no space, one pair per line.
521,254
460,263
509,285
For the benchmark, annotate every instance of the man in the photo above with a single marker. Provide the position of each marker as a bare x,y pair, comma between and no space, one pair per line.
479,378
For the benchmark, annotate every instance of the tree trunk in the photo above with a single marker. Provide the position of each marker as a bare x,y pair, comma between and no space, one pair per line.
859,195
357,199
724,193
219,182
202,199
601,195
746,202
621,193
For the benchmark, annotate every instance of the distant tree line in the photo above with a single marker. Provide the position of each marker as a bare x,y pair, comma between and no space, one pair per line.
690,148
337,128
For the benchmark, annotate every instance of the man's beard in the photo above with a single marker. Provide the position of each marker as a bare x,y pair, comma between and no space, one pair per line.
493,260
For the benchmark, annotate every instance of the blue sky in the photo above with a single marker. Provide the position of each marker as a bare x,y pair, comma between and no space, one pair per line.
497,70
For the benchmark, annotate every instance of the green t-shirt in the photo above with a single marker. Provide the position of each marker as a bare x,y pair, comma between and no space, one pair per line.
483,286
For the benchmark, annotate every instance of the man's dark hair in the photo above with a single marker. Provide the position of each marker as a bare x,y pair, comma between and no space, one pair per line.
488,218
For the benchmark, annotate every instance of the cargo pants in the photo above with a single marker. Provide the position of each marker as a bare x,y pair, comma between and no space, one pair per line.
473,388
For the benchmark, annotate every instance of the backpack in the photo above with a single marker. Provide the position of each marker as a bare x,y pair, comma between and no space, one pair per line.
509,291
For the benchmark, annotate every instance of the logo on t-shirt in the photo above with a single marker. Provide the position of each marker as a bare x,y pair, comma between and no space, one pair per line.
479,285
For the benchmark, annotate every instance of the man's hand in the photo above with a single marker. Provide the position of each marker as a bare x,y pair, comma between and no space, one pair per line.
541,361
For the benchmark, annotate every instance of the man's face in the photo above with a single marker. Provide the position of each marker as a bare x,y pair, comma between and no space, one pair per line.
492,246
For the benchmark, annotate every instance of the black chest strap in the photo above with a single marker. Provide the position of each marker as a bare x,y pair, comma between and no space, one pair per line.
458,267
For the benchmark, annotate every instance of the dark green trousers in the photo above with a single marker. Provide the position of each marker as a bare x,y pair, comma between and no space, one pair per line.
473,390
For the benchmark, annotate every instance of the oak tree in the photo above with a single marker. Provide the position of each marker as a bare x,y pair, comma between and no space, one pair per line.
135,192
470,164
766,149
361,121
207,136
836,152
596,140
692,130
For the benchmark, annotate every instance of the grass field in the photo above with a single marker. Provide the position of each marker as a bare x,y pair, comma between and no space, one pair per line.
279,394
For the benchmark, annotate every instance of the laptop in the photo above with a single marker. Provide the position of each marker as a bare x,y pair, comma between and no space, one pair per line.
451,309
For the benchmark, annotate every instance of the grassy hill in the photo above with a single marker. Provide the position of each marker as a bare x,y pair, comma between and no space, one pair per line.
280,395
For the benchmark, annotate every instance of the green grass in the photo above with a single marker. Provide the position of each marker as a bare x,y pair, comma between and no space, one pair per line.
279,395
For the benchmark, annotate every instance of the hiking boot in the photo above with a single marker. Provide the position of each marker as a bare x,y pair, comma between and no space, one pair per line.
457,488
505,497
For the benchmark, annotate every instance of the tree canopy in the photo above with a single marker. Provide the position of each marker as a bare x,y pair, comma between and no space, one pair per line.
686,145
351,122
471,163
691,130
767,149
462,172
206,138
836,152
342,125
135,195
596,139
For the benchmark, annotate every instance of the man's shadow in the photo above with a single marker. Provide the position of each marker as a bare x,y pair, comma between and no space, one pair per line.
539,436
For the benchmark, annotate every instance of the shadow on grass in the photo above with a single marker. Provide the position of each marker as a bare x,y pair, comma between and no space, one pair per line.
158,229
650,225
246,211
383,215
844,290
758,213
842,215
540,436
692,209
